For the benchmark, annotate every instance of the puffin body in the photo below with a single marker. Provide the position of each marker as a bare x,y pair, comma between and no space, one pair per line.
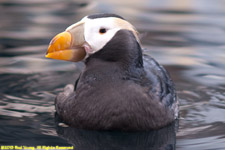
120,88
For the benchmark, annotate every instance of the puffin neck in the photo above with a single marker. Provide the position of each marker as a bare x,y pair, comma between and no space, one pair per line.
122,49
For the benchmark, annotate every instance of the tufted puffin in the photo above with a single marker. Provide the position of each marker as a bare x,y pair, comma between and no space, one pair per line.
120,88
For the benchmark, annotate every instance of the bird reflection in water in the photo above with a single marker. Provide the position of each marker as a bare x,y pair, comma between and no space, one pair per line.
163,139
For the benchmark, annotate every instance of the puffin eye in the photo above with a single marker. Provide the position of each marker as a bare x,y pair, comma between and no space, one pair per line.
102,30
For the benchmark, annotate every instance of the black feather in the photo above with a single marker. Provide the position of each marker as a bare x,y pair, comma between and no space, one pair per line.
104,15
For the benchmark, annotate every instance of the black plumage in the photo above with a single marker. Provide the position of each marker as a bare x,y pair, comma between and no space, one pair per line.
119,89
104,15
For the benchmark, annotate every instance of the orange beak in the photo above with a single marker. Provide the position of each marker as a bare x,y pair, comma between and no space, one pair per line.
68,45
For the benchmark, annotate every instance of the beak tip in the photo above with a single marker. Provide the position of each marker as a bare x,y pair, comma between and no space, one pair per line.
47,56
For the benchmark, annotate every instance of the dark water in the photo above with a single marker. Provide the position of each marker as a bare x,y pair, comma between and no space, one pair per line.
187,37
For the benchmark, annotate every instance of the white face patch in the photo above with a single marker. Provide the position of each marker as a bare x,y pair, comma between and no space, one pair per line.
93,29
98,32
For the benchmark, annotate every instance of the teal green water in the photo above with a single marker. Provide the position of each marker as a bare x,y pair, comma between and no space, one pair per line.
187,37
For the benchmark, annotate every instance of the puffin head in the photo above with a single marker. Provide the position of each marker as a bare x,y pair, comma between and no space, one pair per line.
87,37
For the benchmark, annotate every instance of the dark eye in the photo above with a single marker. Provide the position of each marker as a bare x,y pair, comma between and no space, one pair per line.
102,30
